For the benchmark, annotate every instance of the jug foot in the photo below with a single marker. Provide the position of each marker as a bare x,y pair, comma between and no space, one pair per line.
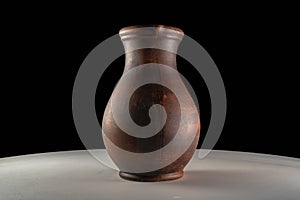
148,177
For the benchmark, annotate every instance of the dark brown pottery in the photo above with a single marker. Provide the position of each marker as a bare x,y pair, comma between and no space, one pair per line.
179,113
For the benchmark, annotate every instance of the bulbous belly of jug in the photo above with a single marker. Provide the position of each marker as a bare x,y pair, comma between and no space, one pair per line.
164,135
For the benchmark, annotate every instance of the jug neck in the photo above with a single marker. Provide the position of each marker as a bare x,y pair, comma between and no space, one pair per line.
150,44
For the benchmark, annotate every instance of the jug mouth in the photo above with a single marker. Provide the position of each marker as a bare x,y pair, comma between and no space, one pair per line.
152,25
150,31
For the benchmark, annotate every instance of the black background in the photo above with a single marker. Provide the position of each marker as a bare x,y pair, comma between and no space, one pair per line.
253,49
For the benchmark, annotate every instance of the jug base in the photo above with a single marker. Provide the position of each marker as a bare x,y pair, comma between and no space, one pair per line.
146,177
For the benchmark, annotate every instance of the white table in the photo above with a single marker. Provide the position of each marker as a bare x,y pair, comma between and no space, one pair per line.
222,175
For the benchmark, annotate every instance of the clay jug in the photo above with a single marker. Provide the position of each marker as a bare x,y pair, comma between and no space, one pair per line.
151,125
